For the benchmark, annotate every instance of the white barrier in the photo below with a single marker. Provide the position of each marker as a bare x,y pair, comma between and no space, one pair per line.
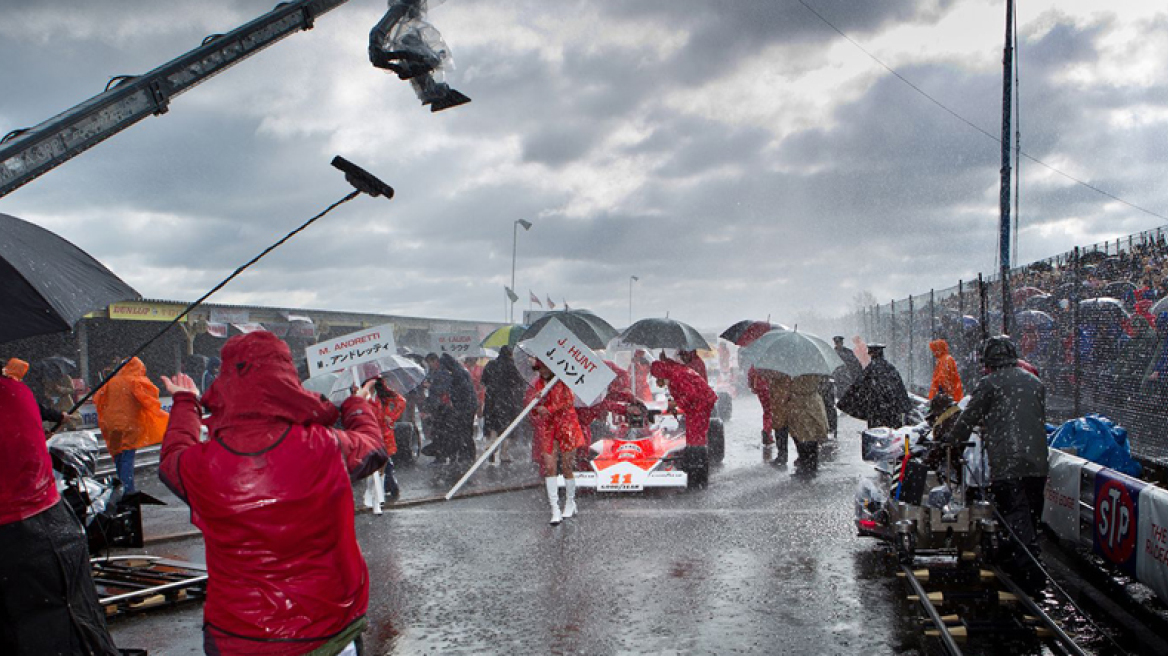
1122,519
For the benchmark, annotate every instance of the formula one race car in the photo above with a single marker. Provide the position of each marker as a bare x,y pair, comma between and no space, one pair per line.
643,453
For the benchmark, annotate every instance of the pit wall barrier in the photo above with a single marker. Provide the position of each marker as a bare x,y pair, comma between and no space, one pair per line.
1121,519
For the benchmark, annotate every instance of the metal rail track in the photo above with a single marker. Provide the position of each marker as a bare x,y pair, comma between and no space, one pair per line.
983,607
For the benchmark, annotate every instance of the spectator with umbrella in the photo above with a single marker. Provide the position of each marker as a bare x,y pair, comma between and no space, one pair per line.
46,587
795,367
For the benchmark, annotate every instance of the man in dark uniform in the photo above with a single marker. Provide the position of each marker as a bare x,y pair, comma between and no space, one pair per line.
851,370
1010,405
879,396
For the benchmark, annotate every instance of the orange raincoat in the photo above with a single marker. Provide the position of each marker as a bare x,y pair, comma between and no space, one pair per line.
945,376
128,411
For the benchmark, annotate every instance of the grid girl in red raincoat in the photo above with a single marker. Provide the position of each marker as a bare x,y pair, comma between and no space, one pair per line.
557,436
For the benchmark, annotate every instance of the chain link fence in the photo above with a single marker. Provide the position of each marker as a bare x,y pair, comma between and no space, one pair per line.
1094,321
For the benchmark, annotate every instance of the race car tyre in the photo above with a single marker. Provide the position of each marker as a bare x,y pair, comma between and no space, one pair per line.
716,439
695,462
724,406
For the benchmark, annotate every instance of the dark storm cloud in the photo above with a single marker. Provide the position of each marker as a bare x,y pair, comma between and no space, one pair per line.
722,215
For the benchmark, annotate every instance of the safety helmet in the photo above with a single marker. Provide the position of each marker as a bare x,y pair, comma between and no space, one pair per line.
998,352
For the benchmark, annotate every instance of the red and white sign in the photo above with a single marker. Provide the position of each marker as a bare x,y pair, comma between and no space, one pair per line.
347,350
1117,518
459,344
582,370
1152,560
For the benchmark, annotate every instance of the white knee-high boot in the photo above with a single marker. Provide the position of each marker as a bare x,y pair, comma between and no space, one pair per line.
570,503
553,492
374,492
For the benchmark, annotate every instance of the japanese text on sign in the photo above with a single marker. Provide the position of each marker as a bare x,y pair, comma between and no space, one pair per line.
349,350
458,344
571,361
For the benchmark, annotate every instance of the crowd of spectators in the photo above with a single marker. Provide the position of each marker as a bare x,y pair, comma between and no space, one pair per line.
1095,327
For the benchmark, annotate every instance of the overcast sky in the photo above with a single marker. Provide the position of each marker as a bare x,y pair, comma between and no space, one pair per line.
739,157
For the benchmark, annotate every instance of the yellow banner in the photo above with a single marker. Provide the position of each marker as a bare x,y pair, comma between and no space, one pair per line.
135,311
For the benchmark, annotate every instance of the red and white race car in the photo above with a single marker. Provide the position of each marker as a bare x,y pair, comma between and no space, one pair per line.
638,454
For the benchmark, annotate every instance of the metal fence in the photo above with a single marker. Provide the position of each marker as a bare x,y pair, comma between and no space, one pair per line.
1094,321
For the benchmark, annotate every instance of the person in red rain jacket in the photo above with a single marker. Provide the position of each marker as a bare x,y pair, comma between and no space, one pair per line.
389,406
691,394
694,361
557,436
945,376
762,390
271,491
48,604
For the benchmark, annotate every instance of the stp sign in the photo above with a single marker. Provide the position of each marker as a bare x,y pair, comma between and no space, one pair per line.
1117,519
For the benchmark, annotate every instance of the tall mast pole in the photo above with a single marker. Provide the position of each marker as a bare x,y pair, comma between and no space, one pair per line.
1004,194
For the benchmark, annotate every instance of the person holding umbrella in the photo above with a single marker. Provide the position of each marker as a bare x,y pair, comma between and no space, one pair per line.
692,395
797,410
48,603
388,407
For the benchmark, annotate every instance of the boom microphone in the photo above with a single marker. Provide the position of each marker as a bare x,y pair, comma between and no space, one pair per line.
362,180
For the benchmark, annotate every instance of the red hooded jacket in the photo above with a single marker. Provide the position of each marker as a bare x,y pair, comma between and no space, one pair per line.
25,468
271,492
693,396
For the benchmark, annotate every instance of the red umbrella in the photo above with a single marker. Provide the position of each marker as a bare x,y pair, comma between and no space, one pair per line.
746,331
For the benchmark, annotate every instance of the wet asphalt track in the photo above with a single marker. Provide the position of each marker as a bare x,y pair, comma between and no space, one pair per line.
762,562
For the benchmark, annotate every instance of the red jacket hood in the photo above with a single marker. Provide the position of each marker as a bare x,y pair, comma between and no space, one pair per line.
939,347
258,384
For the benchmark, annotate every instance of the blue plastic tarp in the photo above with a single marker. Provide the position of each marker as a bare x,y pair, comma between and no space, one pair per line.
1098,439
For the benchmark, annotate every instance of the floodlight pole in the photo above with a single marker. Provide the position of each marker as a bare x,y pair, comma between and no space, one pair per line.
1004,193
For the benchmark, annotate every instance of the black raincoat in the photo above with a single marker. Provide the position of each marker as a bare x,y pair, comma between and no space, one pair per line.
504,392
878,397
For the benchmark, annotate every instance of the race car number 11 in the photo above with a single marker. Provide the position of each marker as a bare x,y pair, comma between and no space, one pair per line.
616,479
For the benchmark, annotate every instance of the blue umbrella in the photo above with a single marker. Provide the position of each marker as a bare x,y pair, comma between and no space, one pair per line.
1036,319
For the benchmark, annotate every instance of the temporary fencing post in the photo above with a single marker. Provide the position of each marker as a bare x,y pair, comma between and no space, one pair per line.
892,323
1075,294
911,346
499,440
932,314
985,322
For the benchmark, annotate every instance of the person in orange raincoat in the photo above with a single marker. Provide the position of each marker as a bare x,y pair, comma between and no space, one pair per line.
130,417
945,376
388,407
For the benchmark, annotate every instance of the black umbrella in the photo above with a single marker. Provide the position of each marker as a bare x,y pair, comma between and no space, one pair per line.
591,329
47,284
664,333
